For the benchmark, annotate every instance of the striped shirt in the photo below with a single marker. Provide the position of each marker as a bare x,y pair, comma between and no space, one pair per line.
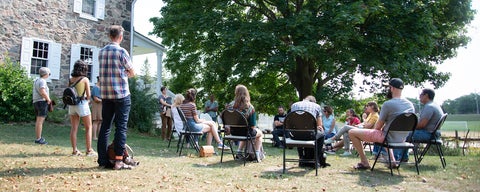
114,63
189,110
308,106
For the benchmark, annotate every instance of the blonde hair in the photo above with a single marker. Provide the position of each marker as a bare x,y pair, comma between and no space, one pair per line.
242,97
178,100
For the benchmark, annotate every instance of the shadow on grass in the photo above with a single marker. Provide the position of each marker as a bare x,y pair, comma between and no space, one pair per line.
42,171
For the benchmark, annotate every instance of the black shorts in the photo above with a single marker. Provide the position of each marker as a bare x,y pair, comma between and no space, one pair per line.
41,108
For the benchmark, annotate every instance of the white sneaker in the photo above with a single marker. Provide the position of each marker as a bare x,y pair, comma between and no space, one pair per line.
346,153
329,141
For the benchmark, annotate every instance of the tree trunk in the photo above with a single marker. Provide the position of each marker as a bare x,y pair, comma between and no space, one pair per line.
302,78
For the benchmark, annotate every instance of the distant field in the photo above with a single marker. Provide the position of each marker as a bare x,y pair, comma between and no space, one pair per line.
456,122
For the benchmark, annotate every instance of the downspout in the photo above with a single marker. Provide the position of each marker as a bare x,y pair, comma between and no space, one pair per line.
131,27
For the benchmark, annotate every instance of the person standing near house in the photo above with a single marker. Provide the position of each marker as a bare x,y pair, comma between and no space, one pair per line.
96,109
81,110
165,105
115,69
41,100
211,107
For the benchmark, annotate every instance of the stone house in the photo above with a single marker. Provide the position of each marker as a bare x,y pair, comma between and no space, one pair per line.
54,34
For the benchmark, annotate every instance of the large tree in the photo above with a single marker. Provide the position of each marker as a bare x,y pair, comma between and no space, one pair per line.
285,50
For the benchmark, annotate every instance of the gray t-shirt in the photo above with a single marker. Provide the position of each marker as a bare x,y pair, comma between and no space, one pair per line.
37,85
391,109
433,112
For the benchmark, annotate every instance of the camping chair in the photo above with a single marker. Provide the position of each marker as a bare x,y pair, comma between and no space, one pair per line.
239,129
302,129
401,126
434,140
184,131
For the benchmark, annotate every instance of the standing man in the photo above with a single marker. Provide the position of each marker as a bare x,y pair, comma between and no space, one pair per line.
278,122
310,105
115,69
211,107
430,115
395,106
41,100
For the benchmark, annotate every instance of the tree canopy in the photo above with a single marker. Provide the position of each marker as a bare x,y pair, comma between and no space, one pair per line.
286,50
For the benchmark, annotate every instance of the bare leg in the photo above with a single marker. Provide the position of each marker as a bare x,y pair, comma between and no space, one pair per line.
39,126
74,121
357,136
87,122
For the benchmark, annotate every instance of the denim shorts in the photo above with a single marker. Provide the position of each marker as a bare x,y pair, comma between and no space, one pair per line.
82,109
197,127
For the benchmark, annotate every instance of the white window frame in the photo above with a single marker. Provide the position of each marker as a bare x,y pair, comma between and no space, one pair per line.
53,60
75,55
99,12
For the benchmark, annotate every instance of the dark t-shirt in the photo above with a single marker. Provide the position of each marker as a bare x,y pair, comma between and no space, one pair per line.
280,118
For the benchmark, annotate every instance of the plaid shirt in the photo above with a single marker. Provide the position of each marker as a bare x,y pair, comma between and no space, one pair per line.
308,106
114,61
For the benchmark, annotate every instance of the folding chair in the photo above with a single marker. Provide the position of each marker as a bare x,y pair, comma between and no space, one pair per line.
302,129
239,129
401,126
184,131
434,140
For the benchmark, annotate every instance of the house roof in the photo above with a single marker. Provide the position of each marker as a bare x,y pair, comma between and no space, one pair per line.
144,45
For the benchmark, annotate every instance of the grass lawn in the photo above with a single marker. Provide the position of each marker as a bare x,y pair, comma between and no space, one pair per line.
26,166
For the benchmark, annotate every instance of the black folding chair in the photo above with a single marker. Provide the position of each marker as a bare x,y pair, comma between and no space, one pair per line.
434,140
236,122
401,126
302,129
185,133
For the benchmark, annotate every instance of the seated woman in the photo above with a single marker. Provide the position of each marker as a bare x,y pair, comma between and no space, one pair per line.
242,103
328,120
189,109
369,122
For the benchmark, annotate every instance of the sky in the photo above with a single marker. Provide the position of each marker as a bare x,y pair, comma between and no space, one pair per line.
464,79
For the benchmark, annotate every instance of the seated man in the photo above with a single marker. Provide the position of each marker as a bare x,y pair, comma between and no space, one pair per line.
430,115
278,131
309,104
395,106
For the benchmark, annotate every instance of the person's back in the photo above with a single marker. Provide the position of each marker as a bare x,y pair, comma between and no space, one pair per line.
433,112
391,109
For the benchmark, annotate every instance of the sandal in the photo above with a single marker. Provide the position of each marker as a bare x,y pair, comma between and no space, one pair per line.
91,153
392,166
360,166
120,165
76,153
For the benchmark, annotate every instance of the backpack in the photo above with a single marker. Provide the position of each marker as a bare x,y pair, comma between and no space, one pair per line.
127,155
70,96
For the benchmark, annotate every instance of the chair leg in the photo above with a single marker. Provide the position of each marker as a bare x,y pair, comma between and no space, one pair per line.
221,156
376,158
442,158
284,158
415,155
179,140
181,145
423,153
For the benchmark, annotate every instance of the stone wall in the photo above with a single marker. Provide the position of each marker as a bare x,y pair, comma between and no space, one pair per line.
55,20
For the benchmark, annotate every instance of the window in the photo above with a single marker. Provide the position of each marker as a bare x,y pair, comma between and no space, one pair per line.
89,54
90,9
37,53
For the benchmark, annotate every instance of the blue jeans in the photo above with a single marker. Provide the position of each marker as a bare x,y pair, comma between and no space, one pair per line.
418,135
116,111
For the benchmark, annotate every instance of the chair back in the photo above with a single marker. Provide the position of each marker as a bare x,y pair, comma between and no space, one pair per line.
438,126
235,121
186,127
401,126
301,125
177,120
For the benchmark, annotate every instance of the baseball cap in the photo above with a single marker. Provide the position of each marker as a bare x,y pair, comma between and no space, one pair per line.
395,82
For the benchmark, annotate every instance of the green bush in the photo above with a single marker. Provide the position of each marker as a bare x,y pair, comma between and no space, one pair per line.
144,107
15,93
59,114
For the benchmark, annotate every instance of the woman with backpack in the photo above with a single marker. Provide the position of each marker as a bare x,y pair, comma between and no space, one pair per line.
82,109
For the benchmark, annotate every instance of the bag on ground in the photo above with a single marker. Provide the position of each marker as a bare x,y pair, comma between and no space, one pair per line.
127,155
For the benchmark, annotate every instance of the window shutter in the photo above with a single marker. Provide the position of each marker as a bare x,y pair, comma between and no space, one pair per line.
54,59
77,6
96,65
74,56
26,54
100,9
